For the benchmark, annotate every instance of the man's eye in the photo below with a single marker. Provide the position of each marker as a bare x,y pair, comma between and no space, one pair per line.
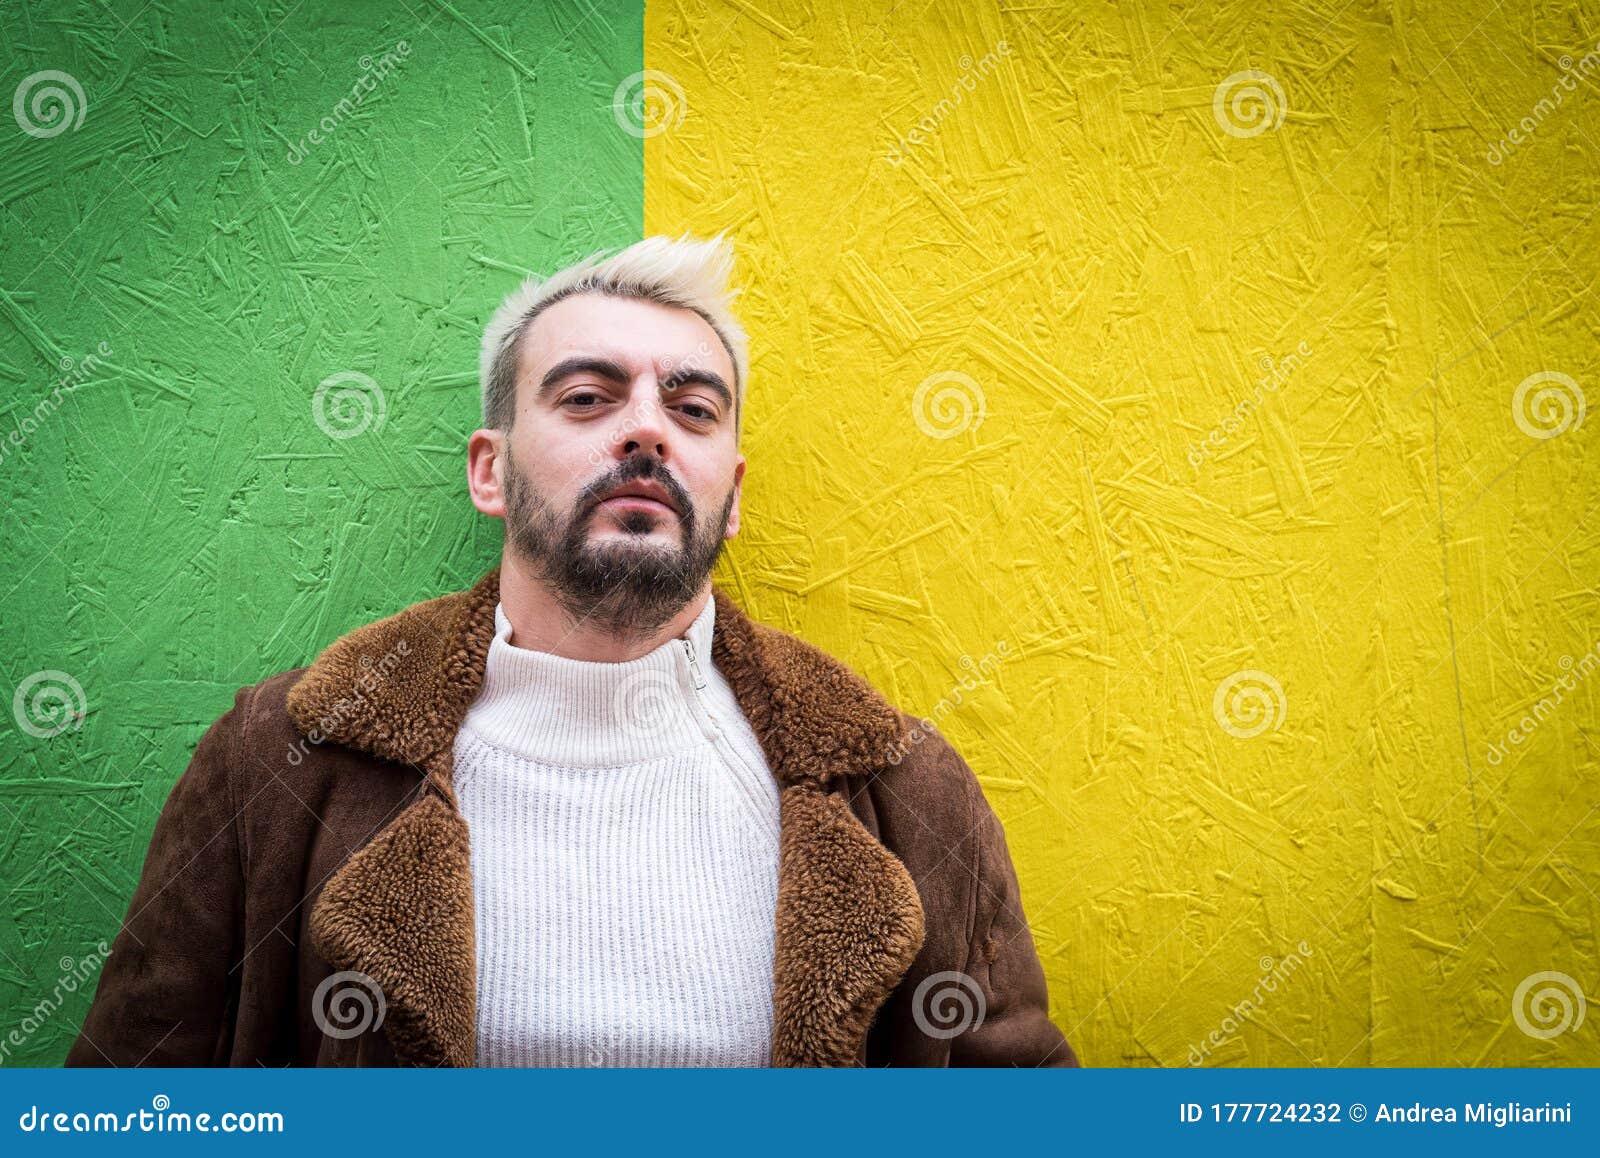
587,395
704,412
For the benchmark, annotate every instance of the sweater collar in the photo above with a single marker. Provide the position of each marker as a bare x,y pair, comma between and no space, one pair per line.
590,714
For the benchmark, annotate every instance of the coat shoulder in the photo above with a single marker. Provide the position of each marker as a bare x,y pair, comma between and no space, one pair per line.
924,765
264,737
258,715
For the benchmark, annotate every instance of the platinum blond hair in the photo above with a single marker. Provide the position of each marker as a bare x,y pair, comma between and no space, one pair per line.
684,272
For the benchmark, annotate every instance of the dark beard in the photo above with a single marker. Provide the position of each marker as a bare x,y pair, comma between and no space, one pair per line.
628,588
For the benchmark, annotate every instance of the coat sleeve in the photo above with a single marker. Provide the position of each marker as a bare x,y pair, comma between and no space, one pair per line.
1014,1026
169,990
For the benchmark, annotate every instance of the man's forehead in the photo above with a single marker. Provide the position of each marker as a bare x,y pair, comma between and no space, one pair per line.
630,331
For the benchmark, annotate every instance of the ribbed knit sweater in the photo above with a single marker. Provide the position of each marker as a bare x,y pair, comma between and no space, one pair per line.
624,833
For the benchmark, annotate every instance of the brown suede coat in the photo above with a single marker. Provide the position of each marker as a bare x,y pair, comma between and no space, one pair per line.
316,831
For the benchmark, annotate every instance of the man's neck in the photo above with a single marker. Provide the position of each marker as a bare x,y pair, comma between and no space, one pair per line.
539,622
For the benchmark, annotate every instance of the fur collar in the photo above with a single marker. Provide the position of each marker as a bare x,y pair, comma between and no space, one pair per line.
400,910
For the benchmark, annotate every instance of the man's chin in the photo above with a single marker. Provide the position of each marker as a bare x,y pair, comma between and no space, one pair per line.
632,560
626,545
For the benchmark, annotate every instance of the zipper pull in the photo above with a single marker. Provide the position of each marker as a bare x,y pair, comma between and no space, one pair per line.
694,664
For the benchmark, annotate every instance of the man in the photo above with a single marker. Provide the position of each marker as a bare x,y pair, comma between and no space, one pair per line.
586,812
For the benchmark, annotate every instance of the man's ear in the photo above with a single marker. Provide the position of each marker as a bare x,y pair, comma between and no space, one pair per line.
738,492
485,472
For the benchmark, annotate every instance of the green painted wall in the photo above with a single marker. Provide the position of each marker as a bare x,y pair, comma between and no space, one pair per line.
181,271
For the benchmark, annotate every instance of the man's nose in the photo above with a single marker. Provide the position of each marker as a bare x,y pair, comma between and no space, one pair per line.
643,427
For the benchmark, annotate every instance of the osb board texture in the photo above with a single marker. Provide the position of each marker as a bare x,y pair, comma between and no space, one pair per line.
1115,273
181,526
1079,237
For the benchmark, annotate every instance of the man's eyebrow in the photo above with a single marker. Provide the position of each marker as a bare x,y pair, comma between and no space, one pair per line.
691,376
582,364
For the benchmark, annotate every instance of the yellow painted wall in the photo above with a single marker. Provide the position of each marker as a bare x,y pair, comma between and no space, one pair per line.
1229,694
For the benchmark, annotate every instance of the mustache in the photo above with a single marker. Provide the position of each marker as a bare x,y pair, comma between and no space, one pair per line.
636,470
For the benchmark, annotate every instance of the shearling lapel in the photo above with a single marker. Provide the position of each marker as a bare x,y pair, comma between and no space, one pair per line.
400,909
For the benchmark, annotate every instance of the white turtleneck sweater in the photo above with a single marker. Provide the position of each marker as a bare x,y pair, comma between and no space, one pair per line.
624,834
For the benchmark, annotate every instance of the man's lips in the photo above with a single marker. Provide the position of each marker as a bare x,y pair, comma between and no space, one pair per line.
643,495
638,502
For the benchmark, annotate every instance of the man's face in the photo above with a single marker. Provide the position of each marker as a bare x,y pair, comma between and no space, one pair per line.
617,394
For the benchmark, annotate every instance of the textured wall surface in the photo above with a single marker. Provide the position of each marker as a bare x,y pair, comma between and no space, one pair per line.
181,523
1173,439
1166,454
